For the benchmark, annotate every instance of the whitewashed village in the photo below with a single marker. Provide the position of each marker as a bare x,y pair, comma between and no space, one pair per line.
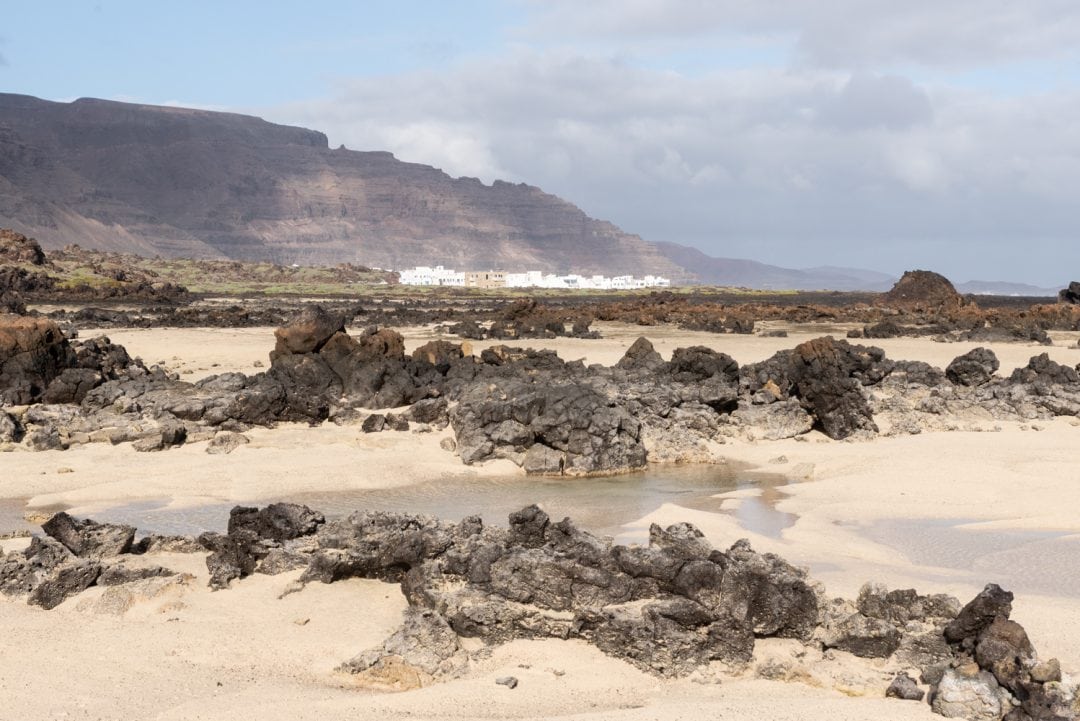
423,275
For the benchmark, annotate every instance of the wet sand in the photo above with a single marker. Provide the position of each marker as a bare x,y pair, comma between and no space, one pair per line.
943,512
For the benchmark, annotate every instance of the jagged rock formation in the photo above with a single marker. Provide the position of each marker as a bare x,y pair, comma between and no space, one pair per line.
191,183
1070,295
72,557
547,415
668,607
16,248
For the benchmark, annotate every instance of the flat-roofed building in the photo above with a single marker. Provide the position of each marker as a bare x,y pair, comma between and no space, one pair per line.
485,279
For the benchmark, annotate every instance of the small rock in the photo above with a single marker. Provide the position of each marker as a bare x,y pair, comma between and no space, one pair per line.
373,423
226,442
904,687
508,681
1047,671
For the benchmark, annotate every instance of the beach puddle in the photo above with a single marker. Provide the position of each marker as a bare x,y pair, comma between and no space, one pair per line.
1019,560
602,505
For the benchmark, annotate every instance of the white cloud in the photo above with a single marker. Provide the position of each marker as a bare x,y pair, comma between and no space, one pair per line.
828,161
838,33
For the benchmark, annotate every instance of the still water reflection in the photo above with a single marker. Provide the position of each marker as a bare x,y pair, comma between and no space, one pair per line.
602,505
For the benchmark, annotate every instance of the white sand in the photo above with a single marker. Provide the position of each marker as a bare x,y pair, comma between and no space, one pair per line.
146,665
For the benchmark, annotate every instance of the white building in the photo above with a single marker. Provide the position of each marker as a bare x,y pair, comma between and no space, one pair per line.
424,275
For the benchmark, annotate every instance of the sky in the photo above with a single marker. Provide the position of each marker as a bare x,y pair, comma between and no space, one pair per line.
937,134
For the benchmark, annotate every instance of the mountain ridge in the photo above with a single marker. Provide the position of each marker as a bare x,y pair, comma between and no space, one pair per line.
183,182
179,182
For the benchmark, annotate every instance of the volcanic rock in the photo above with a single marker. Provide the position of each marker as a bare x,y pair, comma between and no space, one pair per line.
1071,294
89,539
974,368
992,602
904,687
641,356
924,290
17,248
33,352
824,375
308,333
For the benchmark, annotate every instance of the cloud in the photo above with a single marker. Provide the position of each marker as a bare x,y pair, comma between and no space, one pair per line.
847,153
838,33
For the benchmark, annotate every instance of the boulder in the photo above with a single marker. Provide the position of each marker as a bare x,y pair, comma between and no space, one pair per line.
974,368
824,374
232,555
904,687
276,522
89,539
373,423
698,363
68,580
16,248
641,356
226,442
1004,650
432,411
423,649
863,636
1041,370
593,434
310,386
308,333
439,353
969,693
33,352
923,290
992,602
1071,294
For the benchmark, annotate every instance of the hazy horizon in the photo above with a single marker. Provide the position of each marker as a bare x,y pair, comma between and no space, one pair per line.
857,134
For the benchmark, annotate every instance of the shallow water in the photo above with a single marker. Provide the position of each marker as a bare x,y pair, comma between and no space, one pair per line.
1030,561
602,505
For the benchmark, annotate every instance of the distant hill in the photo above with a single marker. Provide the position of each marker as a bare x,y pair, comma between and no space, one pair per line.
178,182
751,274
996,287
191,183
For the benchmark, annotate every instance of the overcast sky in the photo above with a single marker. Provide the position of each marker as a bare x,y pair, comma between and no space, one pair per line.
940,134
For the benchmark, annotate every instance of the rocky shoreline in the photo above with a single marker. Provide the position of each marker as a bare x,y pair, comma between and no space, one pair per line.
671,608
547,415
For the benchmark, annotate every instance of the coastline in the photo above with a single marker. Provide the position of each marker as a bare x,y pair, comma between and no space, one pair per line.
1010,480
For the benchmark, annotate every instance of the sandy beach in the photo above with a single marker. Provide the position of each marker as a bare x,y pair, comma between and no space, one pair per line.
941,512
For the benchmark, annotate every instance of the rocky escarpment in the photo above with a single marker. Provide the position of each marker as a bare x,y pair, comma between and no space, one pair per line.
671,607
189,183
545,414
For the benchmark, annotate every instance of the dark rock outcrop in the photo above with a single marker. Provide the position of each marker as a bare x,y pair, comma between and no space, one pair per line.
1071,294
825,375
924,290
974,368
89,539
272,535
16,248
589,432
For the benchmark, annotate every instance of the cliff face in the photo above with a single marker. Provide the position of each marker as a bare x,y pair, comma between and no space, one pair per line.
179,182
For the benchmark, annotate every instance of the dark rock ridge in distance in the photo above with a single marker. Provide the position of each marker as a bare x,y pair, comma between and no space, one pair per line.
190,183
752,274
180,182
